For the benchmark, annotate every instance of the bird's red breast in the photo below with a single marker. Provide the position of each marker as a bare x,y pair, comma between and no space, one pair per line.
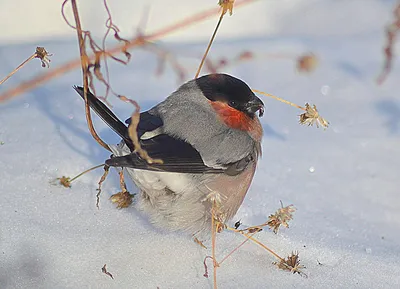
237,119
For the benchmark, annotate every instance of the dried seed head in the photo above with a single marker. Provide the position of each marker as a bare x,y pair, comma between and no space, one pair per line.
122,199
281,217
292,264
307,63
227,5
43,55
312,116
64,181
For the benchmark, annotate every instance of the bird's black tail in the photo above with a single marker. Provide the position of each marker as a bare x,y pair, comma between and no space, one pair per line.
106,114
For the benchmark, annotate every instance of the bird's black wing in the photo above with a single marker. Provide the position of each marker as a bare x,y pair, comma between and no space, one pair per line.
177,155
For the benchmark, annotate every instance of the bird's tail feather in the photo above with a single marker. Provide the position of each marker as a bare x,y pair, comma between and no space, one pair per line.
105,114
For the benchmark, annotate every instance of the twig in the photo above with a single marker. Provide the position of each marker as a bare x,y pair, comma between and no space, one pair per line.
250,237
278,98
209,44
84,64
237,248
213,244
40,53
102,179
137,41
18,68
84,172
135,118
66,181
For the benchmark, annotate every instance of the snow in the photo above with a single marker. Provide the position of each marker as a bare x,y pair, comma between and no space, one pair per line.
343,181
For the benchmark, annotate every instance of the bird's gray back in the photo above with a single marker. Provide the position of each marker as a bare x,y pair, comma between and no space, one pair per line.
187,115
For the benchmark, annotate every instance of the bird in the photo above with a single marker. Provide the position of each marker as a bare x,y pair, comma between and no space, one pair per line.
208,135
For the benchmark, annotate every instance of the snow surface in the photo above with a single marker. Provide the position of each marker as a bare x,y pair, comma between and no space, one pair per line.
343,181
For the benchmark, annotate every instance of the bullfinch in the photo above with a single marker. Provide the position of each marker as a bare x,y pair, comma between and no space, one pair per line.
208,136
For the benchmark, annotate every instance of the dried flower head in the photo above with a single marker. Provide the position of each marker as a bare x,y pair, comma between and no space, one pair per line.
292,264
281,217
64,181
312,116
307,63
122,199
227,5
43,55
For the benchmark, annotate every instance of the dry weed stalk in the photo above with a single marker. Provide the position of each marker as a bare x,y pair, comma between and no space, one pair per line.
250,237
217,225
281,217
102,179
225,5
40,53
66,181
85,68
311,115
132,130
391,32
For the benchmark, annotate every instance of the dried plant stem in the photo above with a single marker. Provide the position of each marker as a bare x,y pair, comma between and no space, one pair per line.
280,99
209,44
137,41
213,245
33,56
84,172
237,248
250,237
84,64
135,118
102,179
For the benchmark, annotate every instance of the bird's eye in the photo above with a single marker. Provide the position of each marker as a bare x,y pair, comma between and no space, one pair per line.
232,103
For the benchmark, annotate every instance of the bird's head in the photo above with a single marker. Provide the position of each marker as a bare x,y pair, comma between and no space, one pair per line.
232,99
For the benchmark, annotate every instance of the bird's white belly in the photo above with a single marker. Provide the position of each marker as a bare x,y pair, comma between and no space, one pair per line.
151,182
171,200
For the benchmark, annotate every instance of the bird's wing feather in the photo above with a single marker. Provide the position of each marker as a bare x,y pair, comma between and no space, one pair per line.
177,156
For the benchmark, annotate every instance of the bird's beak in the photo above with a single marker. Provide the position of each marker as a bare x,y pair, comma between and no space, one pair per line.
254,105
